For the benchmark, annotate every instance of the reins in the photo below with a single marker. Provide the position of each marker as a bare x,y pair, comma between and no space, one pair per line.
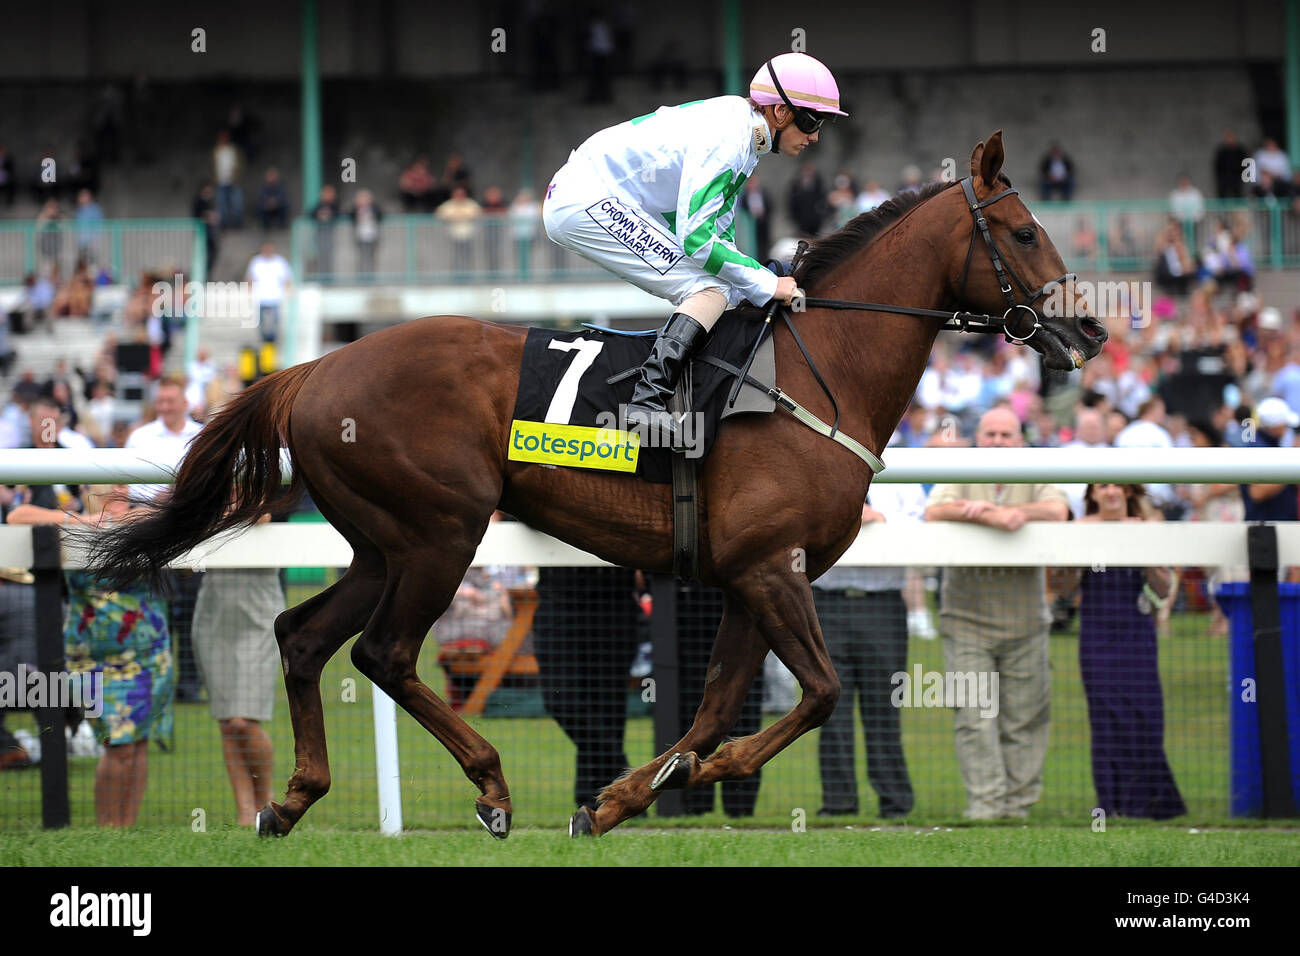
960,321
963,321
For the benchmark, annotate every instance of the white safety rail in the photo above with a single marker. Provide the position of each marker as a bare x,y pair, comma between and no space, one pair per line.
968,465
952,544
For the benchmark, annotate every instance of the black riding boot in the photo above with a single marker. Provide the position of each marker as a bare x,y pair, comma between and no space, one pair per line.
677,342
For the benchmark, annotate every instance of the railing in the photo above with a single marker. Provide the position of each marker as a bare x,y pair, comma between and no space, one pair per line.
1124,231
987,465
423,249
124,247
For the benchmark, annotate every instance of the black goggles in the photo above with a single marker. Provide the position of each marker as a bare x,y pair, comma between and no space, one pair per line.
805,120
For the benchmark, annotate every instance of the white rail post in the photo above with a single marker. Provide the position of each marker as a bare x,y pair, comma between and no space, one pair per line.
387,769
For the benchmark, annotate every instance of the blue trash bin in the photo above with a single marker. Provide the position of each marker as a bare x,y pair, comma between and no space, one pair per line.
1247,797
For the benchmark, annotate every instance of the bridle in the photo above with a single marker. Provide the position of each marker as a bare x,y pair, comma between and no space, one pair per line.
1003,269
1018,329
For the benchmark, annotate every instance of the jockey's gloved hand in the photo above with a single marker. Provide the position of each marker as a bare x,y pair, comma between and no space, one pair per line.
786,289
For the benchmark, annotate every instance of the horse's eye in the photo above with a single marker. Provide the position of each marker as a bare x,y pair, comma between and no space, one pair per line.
1025,236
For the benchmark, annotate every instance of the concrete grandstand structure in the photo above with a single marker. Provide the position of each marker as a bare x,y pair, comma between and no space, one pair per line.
504,86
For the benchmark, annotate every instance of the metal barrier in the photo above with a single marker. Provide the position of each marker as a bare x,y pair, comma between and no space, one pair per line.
1125,232
125,247
501,248
424,249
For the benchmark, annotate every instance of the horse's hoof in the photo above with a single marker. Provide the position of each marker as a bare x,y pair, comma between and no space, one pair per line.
676,773
582,824
268,823
496,820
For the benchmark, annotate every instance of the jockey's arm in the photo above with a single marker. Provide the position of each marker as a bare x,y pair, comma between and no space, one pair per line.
705,227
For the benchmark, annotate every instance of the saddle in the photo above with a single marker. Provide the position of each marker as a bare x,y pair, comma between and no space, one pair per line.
582,378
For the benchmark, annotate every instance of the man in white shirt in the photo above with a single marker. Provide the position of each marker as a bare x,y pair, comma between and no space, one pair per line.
1089,432
1147,431
200,374
164,439
1271,159
271,278
872,196
951,384
863,619
1186,202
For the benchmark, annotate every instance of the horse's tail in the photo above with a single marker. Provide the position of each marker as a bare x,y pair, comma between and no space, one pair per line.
230,476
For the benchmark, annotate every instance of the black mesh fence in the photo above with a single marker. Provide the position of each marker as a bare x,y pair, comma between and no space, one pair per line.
1074,692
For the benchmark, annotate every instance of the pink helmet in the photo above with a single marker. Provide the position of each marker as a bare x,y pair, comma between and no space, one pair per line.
804,80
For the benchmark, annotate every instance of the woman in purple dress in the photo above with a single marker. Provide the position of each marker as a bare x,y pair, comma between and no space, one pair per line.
1121,679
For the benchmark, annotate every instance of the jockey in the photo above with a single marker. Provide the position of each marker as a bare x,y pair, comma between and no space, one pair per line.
653,201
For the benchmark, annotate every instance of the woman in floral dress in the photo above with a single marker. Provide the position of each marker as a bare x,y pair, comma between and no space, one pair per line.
122,637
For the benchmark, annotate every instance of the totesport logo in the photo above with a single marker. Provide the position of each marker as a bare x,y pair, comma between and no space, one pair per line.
574,446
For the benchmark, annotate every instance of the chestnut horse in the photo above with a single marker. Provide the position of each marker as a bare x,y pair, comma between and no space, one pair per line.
430,404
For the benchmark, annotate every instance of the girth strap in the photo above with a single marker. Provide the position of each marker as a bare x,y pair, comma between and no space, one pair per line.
686,515
799,413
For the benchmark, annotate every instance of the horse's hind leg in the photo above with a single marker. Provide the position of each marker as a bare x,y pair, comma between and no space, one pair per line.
415,596
738,653
309,635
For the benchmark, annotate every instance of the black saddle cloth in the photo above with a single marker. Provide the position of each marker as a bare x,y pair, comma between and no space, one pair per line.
543,368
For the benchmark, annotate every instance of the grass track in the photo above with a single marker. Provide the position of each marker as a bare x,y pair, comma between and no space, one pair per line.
651,846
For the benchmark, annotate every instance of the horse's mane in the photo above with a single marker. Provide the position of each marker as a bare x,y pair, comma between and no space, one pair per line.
825,254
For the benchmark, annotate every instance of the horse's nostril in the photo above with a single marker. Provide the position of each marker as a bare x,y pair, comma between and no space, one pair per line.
1092,328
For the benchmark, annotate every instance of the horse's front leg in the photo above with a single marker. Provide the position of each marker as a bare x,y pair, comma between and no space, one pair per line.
781,601
738,653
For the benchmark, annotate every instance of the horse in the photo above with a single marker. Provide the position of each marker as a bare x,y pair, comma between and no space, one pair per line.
401,439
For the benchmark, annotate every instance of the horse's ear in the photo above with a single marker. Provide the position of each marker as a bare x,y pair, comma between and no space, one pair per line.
976,157
991,159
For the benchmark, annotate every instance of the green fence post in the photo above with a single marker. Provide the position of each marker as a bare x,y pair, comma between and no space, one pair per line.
410,247
289,326
310,104
1103,238
1275,236
199,273
115,247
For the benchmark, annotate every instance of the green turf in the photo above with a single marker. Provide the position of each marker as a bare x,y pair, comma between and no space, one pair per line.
651,846
538,759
